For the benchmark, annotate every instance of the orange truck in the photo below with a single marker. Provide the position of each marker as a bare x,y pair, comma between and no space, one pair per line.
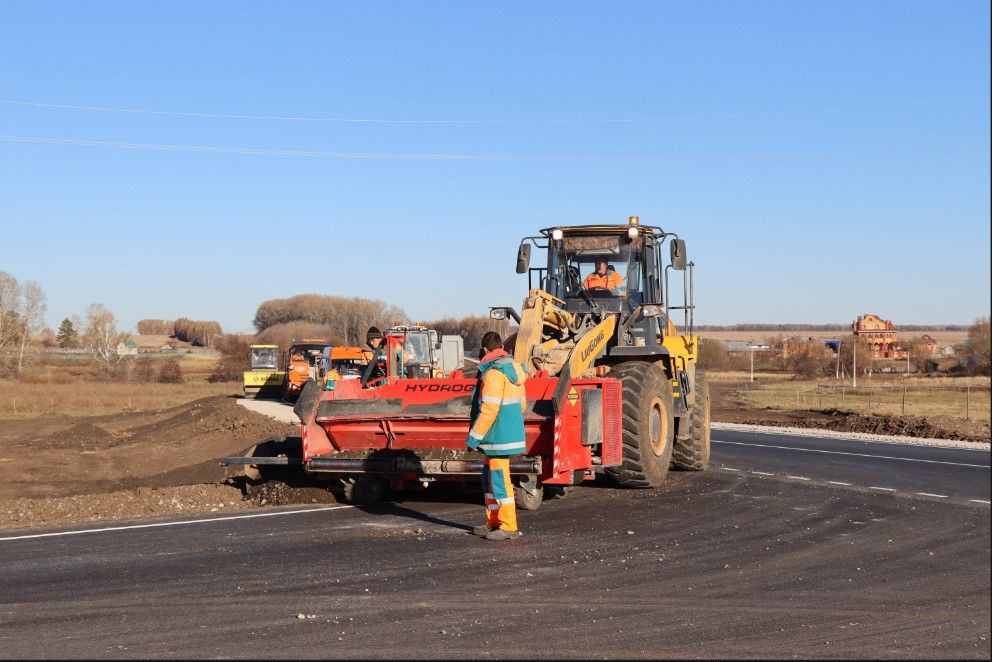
302,363
344,363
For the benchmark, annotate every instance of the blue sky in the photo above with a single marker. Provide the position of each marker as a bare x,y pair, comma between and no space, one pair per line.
821,159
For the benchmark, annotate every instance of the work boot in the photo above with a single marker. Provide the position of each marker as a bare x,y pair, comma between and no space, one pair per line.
502,534
482,530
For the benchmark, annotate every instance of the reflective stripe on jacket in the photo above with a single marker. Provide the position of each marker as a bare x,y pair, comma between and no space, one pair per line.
498,405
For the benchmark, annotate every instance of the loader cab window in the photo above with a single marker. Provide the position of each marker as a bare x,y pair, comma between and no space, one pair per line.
577,259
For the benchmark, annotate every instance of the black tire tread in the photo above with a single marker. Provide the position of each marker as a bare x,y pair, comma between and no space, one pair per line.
691,449
636,377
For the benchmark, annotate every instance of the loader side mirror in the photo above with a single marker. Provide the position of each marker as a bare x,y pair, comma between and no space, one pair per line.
523,258
677,247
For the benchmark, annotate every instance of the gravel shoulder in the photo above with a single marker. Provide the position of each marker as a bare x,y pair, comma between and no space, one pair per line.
279,411
860,436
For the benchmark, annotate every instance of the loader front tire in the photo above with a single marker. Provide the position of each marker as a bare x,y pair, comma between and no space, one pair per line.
648,425
692,447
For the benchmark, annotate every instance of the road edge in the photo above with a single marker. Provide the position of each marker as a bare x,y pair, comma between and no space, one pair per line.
855,436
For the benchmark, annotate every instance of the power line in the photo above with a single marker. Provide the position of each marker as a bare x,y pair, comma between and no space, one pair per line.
487,157
361,120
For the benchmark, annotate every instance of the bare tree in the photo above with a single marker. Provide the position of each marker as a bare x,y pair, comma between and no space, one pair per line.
101,338
10,296
847,349
978,348
32,316
348,317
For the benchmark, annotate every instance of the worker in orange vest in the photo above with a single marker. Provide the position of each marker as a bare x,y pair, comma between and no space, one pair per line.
603,278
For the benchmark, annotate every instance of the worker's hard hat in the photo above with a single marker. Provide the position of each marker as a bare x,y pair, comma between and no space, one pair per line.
373,332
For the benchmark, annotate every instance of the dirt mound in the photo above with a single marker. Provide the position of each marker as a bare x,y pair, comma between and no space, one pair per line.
845,421
123,505
280,494
177,446
933,427
726,409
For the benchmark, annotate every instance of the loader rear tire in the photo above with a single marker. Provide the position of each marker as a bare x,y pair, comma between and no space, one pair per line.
648,425
692,448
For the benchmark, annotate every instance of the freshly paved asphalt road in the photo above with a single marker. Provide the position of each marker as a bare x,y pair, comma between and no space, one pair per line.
953,473
769,554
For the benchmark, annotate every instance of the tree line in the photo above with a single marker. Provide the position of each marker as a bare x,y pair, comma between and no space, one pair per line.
344,320
200,333
823,327
471,328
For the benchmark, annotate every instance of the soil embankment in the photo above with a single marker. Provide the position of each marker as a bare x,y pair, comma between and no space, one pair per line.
727,409
74,469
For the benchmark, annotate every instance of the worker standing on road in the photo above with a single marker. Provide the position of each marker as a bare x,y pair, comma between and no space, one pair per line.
497,429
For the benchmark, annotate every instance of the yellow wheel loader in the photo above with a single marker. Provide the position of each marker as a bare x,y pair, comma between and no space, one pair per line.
601,308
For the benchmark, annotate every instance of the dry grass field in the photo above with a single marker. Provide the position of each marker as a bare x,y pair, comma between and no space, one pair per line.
65,384
959,397
19,400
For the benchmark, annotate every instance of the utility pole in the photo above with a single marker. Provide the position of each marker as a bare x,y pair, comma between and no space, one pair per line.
854,370
751,347
838,360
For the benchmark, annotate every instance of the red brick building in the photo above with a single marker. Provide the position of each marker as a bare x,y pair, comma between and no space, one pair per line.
879,335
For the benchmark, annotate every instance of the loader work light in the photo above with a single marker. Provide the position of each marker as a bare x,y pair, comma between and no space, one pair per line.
557,234
632,231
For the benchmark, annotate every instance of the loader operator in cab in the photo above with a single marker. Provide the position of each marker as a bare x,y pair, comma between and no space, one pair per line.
603,278
497,429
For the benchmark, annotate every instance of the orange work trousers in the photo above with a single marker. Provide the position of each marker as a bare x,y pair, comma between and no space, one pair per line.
501,511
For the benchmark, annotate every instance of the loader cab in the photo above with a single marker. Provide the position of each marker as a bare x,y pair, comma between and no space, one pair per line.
634,253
